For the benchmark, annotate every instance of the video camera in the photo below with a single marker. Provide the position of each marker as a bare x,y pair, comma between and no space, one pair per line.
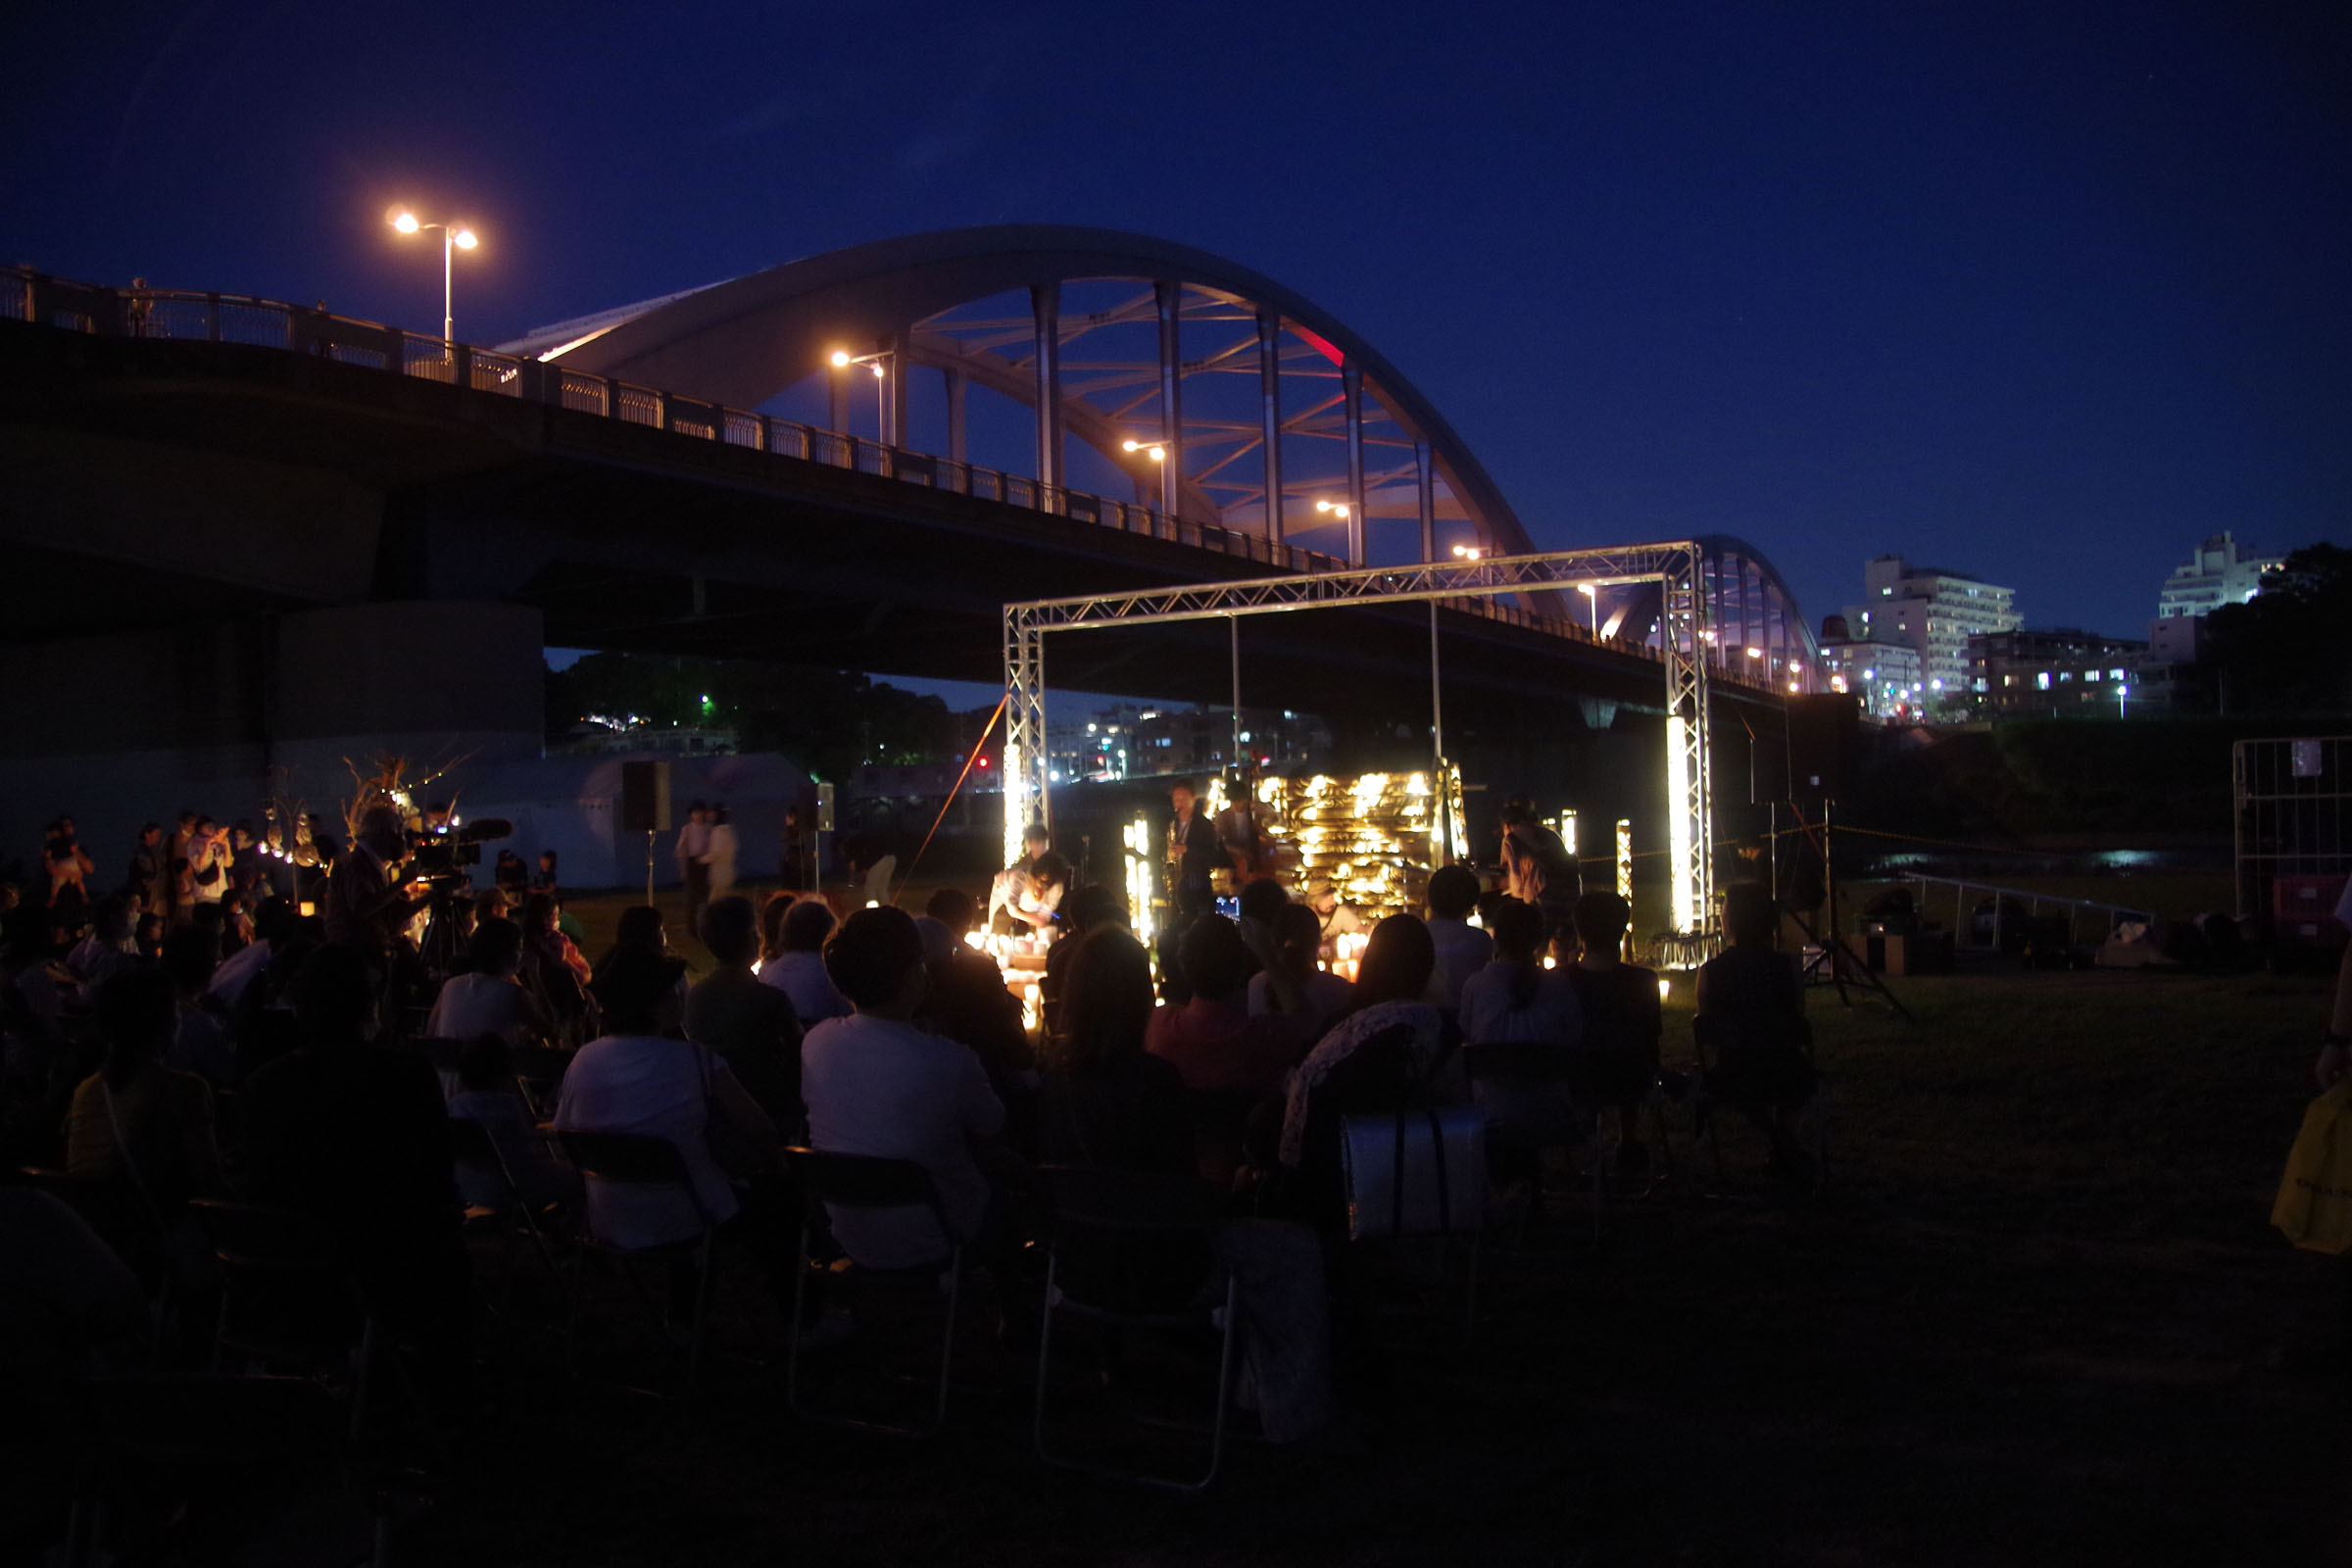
441,856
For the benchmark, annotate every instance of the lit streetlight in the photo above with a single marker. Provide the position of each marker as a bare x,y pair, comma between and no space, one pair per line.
1468,551
843,359
455,236
1156,451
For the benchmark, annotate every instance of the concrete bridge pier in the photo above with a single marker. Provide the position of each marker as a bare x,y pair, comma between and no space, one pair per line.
130,726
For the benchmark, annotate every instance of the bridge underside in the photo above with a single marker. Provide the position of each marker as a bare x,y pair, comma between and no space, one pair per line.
161,482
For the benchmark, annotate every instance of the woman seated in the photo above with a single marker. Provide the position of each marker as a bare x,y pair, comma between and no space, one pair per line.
1617,1060
138,1130
1515,1001
1391,1053
1107,1104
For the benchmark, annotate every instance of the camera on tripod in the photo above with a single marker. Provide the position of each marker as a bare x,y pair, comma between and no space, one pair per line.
441,856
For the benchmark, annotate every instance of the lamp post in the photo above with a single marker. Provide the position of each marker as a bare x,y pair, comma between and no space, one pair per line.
843,359
455,236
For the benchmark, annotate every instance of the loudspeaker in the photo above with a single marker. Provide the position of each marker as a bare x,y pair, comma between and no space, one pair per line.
645,796
1824,746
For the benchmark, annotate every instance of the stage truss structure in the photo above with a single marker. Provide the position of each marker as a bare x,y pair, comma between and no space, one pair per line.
1683,638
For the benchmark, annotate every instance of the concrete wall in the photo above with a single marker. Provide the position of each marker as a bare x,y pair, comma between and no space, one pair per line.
134,727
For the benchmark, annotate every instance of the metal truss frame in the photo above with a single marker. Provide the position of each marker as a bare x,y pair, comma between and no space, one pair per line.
1677,566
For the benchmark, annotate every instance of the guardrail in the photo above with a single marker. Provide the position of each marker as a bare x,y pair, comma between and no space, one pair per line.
2004,899
210,316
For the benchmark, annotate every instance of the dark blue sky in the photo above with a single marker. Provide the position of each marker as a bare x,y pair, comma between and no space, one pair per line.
2044,293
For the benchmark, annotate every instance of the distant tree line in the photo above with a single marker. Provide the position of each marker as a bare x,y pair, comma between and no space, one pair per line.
826,720
2289,650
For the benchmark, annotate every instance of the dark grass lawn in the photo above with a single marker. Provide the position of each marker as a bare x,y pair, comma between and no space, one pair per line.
2038,1318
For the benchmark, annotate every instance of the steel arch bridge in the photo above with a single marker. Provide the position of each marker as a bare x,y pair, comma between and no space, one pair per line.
1222,396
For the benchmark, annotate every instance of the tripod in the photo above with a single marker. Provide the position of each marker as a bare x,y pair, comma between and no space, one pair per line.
1798,900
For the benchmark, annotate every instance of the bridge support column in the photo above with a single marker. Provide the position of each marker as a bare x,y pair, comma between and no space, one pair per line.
1170,299
956,446
1270,393
1426,491
1351,402
1045,305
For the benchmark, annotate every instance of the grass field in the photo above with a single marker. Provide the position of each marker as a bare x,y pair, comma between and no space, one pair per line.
2038,1317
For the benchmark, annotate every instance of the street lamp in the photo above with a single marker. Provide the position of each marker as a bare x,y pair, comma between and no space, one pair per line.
1593,598
843,359
1467,552
1155,451
455,236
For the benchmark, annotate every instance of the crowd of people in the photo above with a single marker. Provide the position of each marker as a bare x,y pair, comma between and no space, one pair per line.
235,1023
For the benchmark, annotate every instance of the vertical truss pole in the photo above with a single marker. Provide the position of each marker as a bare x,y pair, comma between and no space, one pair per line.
1171,297
837,401
1045,306
1235,623
1026,775
1440,825
1269,394
1351,396
1425,485
1691,828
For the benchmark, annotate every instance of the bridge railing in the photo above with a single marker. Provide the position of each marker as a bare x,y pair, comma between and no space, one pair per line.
186,315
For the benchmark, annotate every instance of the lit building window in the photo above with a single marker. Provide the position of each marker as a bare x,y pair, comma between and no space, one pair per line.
2043,680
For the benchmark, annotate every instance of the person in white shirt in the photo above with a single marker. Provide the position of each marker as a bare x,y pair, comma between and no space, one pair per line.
719,849
1298,931
876,1085
1462,948
638,1077
694,866
489,998
799,970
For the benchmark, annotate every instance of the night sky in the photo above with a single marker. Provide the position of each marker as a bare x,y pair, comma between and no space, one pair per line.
2044,293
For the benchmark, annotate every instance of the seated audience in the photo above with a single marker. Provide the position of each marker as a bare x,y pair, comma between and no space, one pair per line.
1212,1041
488,998
1392,986
1298,935
1515,1001
638,1077
877,1085
752,1027
1462,949
1617,1060
798,967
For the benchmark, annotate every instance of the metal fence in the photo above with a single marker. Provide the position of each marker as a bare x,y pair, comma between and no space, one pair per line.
214,317
2293,800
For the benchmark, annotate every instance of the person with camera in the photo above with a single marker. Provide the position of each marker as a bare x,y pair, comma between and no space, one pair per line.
366,908
209,861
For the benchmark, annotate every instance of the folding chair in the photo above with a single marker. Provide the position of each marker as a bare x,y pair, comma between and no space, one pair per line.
1102,1204
641,1160
1418,1174
287,1302
866,1181
474,1149
1758,1052
539,1076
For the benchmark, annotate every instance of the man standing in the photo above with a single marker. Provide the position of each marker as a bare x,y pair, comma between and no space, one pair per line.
1193,853
694,862
793,859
